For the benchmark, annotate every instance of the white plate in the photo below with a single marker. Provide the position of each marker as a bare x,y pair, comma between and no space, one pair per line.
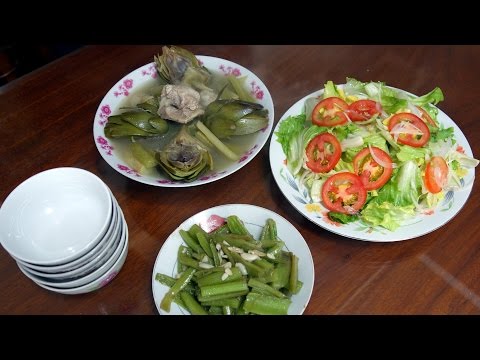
254,218
420,225
136,79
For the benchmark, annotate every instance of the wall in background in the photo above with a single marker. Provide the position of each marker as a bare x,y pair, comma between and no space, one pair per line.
17,60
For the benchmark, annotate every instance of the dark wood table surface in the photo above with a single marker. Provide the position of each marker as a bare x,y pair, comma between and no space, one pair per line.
46,120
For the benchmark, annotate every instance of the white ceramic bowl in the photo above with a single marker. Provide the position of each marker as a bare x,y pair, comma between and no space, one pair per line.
91,261
124,90
55,216
87,257
83,280
98,283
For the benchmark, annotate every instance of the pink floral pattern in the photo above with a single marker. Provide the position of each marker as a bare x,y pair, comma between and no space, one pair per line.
229,70
108,279
166,181
256,90
123,88
247,154
127,170
150,71
104,114
105,145
211,176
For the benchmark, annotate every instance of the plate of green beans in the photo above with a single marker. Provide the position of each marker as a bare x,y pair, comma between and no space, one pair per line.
233,259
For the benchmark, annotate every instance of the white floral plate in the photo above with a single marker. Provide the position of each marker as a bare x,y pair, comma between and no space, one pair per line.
254,218
138,78
420,225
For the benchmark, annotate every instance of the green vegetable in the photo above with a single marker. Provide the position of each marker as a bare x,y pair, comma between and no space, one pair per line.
238,83
331,90
224,149
181,283
145,157
289,135
232,117
386,214
266,305
184,158
342,218
135,123
257,281
176,62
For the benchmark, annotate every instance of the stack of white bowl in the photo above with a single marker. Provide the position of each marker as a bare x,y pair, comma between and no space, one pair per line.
65,230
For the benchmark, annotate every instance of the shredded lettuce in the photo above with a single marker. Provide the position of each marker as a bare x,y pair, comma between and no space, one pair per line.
289,135
331,90
404,188
441,133
407,153
387,214
342,218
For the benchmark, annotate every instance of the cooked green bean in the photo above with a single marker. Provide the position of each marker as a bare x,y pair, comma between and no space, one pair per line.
192,305
230,272
266,305
182,281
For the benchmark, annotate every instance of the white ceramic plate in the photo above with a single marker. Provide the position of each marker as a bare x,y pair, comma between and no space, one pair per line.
138,78
254,218
420,225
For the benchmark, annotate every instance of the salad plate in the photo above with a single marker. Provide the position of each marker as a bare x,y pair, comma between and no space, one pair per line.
421,224
123,92
254,218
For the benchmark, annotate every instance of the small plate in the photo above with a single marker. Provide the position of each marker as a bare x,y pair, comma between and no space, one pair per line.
254,218
147,73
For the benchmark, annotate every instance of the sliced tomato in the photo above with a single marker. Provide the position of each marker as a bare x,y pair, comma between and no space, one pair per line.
362,110
330,112
409,129
323,153
372,173
436,173
426,117
344,193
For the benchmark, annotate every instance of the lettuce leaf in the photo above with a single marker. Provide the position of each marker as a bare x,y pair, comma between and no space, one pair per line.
386,214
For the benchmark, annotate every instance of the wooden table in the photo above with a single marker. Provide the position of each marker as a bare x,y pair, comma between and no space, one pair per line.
46,121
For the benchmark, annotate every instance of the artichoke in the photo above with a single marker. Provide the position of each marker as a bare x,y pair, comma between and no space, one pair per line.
184,158
177,65
135,123
231,117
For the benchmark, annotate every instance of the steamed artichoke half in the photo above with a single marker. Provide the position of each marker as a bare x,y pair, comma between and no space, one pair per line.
177,65
230,117
184,158
135,123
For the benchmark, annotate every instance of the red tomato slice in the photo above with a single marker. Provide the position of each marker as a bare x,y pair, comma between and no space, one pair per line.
330,112
426,117
409,129
323,153
373,174
344,193
363,110
436,173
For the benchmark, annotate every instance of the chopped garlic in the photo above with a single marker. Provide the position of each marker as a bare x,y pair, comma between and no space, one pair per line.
249,257
242,268
205,265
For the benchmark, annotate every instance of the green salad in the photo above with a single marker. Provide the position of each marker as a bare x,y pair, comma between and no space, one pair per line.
371,153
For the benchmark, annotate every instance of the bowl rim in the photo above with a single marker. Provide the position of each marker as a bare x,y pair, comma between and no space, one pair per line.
9,204
92,276
98,282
